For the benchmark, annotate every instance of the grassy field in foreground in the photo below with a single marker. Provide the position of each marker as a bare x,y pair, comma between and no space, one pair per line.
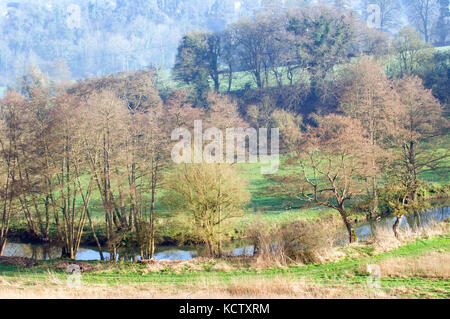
419,269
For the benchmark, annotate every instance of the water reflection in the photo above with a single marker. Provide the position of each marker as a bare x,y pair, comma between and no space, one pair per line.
413,222
45,252
36,252
245,251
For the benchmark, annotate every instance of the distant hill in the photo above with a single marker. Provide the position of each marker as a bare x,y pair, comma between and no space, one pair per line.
101,36
82,38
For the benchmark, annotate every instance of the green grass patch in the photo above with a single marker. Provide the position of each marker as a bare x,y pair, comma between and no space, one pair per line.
345,274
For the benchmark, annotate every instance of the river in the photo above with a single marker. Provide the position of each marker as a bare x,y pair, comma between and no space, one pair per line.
416,221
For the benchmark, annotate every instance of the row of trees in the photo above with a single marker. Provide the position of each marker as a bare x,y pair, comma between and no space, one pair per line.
58,148
106,140
430,18
383,131
299,49
277,45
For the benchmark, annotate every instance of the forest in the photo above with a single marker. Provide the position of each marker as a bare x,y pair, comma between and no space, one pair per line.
363,120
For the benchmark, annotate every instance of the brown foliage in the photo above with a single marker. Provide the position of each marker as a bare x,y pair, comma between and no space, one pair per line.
333,166
299,241
370,98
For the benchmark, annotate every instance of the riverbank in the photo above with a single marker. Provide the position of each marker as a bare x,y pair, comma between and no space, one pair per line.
175,229
245,247
178,230
416,267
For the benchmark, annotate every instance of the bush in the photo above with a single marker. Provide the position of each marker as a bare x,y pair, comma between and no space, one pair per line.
306,242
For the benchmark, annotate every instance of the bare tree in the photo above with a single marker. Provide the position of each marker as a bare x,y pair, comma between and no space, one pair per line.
422,122
423,15
106,155
389,12
228,56
10,133
36,169
254,40
369,98
152,152
125,150
332,166
69,163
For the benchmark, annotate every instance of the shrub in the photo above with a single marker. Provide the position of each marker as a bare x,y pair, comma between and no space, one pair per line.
305,242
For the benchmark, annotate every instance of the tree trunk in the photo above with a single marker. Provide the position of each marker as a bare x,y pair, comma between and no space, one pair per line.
152,228
374,185
412,162
395,227
65,253
2,246
113,254
351,234
210,246
230,78
152,211
216,83
219,233
259,82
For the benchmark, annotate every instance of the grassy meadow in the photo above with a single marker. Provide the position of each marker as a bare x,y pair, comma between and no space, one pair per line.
417,267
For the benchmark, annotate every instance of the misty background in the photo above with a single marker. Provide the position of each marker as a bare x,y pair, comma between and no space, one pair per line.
71,39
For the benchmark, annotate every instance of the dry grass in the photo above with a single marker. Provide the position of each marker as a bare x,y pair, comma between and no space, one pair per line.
383,240
199,264
298,242
285,287
277,287
432,265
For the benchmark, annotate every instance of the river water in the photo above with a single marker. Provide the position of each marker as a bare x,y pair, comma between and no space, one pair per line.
416,221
